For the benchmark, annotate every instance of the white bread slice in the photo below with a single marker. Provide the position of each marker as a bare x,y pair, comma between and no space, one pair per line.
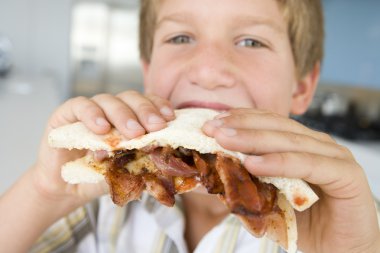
82,170
185,131
290,218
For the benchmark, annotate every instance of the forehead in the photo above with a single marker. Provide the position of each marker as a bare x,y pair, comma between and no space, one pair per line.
244,12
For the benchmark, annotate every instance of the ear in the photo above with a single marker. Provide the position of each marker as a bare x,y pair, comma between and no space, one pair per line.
305,90
145,68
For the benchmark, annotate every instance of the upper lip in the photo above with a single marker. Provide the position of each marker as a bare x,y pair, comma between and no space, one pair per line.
203,104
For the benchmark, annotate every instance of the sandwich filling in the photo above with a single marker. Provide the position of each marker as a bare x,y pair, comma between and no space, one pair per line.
164,172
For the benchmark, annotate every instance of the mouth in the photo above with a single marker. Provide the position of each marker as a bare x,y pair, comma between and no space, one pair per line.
201,104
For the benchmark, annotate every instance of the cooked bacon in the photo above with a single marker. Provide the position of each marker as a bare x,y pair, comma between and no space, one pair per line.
170,165
242,195
184,184
160,187
121,158
261,224
124,187
209,176
257,224
176,171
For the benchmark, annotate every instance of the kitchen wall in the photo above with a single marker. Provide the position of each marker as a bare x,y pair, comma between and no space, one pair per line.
39,31
347,102
352,53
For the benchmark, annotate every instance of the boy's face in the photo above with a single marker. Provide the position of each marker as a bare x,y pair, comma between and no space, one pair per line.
222,54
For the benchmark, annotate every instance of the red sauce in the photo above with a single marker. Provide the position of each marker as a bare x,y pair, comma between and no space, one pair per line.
113,141
299,201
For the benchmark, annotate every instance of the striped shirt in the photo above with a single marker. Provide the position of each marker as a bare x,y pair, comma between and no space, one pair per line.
143,226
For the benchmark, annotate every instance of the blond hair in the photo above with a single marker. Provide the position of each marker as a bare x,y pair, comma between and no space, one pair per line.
305,31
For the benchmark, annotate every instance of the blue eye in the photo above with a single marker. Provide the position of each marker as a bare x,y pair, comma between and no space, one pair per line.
250,43
180,39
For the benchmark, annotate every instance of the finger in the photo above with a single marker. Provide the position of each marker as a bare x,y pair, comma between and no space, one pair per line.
146,112
88,192
335,176
247,118
120,115
163,105
239,111
81,109
260,142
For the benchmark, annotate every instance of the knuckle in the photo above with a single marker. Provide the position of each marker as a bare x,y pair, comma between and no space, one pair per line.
88,111
326,137
345,151
81,104
120,111
128,93
295,139
271,114
310,162
158,100
352,169
282,160
77,100
234,119
101,96
146,107
258,136
163,102
238,117
154,97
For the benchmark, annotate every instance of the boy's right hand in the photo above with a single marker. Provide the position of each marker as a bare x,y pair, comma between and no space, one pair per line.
130,112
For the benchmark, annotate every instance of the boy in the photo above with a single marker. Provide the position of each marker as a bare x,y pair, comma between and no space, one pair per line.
260,56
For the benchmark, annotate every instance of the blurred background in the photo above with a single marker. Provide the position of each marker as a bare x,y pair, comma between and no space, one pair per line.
53,50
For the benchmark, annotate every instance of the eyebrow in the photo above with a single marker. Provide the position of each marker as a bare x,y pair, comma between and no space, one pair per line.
258,21
237,21
174,18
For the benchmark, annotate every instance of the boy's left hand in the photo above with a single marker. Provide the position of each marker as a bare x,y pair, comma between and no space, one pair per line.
344,219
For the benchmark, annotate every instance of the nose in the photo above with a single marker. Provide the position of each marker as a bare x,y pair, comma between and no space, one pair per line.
211,66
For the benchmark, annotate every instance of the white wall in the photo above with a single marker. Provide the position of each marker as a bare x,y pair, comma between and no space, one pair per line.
39,31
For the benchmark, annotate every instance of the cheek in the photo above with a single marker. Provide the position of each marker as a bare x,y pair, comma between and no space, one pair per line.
159,80
273,92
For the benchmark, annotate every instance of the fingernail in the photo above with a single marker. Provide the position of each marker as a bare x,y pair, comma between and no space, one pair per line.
134,125
102,122
167,111
154,119
215,122
228,131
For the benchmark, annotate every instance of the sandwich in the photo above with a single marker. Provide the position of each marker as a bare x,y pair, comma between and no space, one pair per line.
178,159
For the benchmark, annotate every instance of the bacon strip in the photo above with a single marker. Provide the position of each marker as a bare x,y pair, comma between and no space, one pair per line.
242,195
161,188
124,187
170,165
255,203
209,176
